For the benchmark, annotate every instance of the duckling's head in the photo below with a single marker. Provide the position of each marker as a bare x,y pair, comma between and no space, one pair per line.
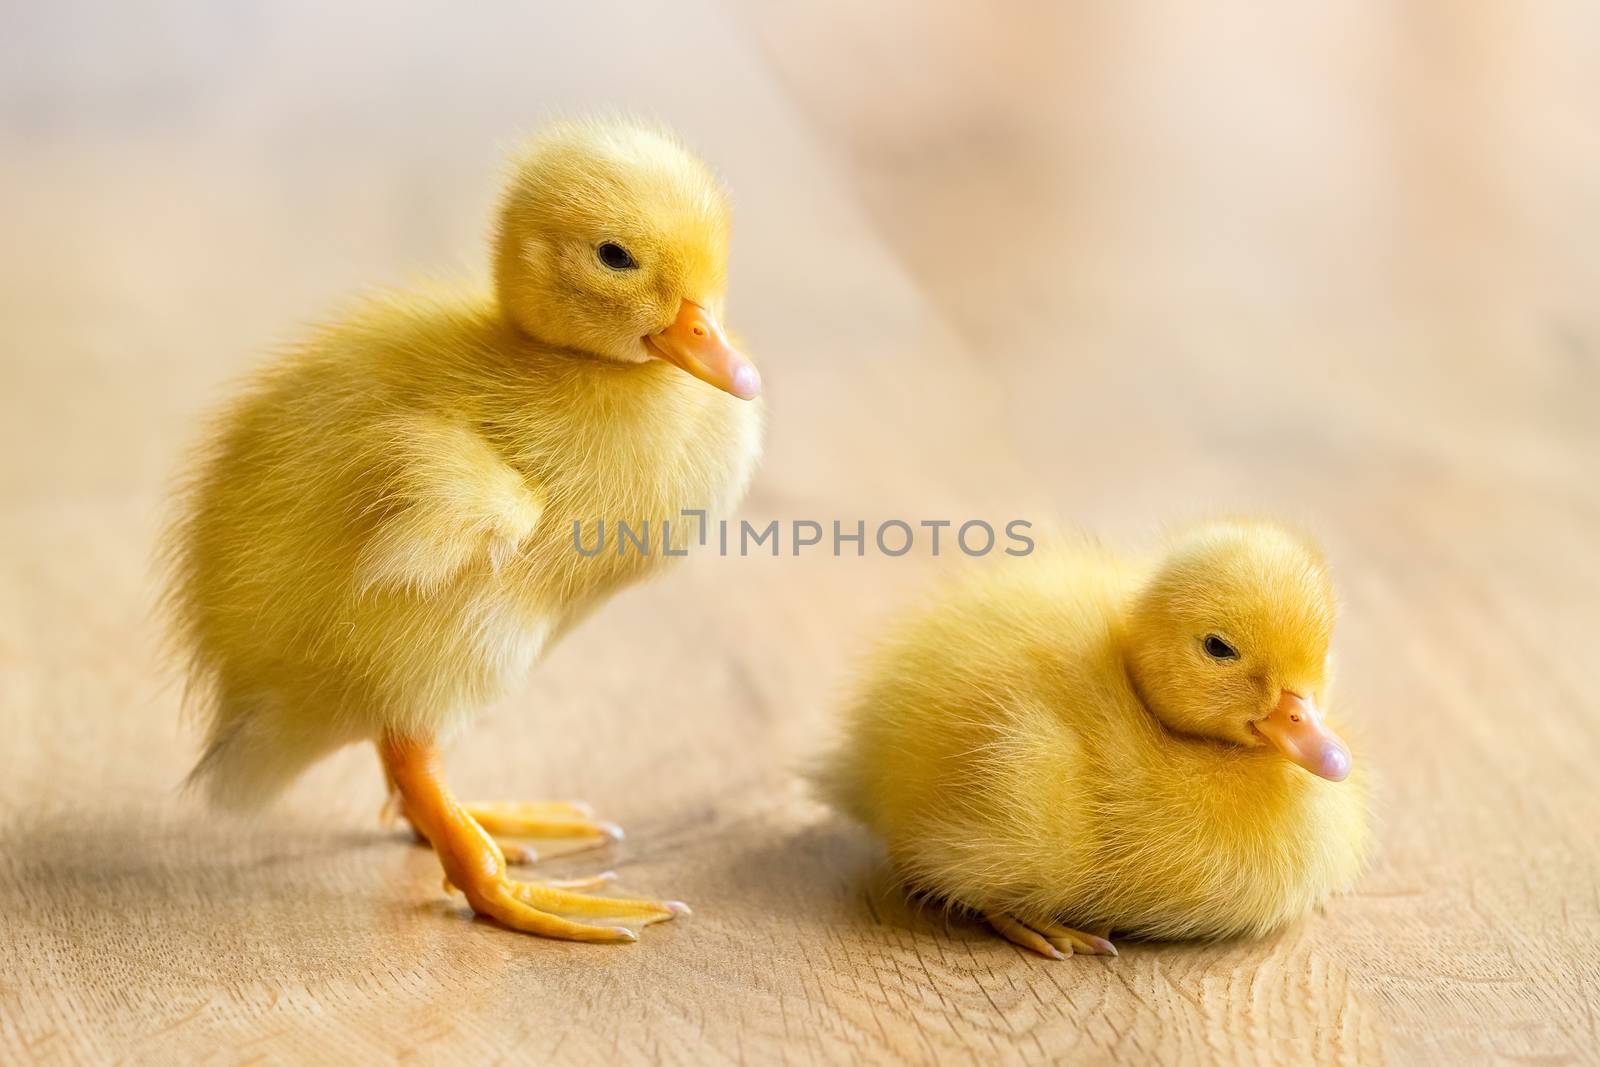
1229,640
613,242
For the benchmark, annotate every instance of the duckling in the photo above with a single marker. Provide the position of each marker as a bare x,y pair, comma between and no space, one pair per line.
1085,742
382,533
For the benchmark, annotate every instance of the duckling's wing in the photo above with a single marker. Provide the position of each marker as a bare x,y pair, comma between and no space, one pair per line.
447,498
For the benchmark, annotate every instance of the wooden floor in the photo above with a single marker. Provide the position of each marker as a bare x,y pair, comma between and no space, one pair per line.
1111,269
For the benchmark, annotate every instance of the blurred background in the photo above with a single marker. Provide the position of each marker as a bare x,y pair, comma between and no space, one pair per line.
1110,266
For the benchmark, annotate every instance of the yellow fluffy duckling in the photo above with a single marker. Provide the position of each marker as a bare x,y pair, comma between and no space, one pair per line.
1080,743
382,533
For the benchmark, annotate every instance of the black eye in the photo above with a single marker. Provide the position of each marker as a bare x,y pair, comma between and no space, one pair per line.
615,256
1217,648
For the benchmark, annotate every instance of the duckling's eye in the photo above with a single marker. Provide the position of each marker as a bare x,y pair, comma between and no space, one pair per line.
1217,648
616,257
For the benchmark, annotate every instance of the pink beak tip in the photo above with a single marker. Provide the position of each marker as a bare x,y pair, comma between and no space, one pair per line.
1333,762
746,383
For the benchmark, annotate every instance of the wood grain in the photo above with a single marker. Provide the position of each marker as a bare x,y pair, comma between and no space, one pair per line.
1112,266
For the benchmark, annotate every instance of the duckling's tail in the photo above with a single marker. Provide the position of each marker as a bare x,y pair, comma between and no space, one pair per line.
250,759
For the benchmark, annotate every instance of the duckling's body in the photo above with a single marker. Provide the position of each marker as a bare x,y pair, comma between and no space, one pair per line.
393,522
302,586
1004,750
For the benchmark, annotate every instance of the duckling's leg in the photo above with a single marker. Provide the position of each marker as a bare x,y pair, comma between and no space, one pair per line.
477,866
1049,939
568,826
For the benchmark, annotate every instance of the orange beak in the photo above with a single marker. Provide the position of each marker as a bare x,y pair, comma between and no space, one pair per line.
1296,729
696,343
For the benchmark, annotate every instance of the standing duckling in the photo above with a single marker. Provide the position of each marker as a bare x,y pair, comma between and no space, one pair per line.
1079,743
382,534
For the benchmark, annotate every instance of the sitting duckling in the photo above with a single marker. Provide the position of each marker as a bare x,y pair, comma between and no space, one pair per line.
1077,744
381,535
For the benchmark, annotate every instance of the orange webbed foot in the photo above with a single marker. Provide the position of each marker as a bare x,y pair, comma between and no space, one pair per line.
1051,940
551,910
528,831
475,863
